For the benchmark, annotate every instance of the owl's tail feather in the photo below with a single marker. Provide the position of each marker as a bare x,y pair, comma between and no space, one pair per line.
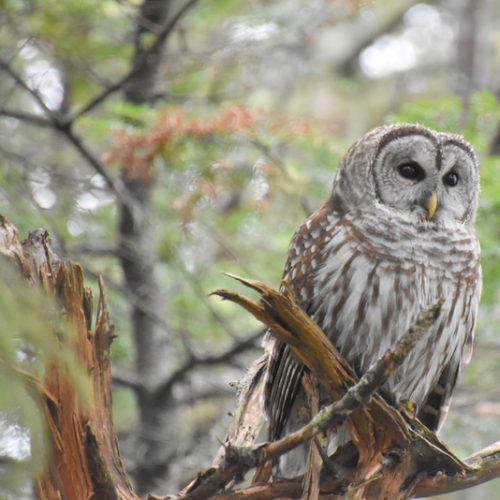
435,409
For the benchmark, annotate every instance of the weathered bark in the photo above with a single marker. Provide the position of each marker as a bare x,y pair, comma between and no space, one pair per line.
83,458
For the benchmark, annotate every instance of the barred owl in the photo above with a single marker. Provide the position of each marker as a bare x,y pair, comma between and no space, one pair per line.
396,234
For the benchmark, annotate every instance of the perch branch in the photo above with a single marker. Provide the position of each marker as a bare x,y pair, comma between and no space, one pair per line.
483,467
239,460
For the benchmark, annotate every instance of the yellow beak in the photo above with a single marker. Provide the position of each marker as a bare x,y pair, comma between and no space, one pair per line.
432,204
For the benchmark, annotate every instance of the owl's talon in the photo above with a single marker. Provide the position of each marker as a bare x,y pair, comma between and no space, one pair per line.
408,407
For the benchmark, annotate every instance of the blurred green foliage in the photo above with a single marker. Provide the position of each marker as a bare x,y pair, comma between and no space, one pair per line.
34,336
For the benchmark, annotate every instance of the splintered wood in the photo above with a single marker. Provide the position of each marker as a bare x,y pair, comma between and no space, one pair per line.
83,459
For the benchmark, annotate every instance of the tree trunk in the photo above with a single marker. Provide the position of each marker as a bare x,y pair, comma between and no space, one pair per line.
156,441
142,86
158,423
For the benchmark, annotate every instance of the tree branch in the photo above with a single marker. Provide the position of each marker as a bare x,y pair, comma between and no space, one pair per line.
5,66
62,125
160,39
239,460
194,361
217,392
115,185
27,117
483,467
125,379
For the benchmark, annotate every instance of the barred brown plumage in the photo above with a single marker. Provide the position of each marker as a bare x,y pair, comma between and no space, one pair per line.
373,257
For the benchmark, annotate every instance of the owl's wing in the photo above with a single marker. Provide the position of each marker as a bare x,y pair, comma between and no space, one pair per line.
475,288
435,408
285,372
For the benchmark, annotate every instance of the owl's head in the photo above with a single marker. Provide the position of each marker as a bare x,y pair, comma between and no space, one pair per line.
411,170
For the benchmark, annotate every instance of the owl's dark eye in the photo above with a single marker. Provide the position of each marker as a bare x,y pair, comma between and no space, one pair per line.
411,170
451,179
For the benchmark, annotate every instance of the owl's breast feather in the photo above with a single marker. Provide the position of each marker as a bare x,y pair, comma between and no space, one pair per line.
370,282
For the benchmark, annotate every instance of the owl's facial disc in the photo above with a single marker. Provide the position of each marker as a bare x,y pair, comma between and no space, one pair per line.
414,175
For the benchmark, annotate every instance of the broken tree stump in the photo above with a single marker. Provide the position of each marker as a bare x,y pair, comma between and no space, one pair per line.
83,458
